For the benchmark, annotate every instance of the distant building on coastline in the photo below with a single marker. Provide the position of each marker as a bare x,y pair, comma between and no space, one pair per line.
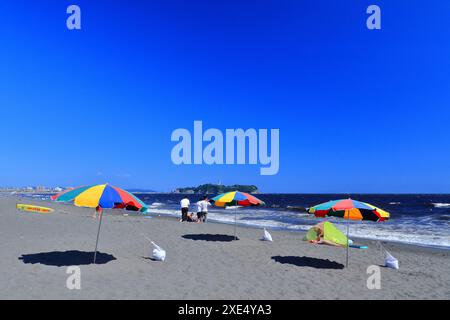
30,189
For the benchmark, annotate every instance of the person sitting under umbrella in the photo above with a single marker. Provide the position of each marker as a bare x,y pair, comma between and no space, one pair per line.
319,229
191,218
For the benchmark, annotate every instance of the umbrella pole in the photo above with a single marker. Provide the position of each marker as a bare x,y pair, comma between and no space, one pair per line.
235,214
348,241
98,234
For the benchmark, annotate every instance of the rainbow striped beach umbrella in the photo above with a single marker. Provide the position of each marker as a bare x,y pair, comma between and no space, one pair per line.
349,209
104,196
236,198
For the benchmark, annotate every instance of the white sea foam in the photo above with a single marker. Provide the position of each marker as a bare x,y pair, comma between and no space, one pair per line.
156,204
441,205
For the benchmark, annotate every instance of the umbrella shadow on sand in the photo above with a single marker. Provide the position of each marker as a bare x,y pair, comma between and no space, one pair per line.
66,258
308,262
210,237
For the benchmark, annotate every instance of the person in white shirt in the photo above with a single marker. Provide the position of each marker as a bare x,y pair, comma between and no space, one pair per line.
184,203
202,209
199,208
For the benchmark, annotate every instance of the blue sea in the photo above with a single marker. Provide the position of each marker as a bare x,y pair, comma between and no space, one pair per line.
418,219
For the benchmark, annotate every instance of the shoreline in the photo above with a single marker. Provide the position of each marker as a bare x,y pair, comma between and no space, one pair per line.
271,228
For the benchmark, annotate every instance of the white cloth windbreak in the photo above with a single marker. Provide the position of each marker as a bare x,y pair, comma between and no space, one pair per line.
390,261
158,253
267,236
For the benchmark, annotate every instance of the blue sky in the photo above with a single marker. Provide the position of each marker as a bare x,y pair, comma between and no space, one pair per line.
358,110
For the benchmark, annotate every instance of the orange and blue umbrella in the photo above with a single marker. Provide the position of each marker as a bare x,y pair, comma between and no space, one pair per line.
102,195
349,209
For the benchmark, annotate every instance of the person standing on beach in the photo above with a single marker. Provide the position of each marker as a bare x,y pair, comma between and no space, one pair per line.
202,209
98,211
199,210
184,208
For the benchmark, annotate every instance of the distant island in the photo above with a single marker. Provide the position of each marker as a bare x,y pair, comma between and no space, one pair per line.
218,188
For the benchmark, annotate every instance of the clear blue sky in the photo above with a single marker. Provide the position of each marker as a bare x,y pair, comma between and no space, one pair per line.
358,110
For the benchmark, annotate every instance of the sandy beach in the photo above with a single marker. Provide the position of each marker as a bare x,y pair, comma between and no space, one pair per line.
203,261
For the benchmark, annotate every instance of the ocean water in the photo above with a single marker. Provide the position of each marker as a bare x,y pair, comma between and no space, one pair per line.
415,219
